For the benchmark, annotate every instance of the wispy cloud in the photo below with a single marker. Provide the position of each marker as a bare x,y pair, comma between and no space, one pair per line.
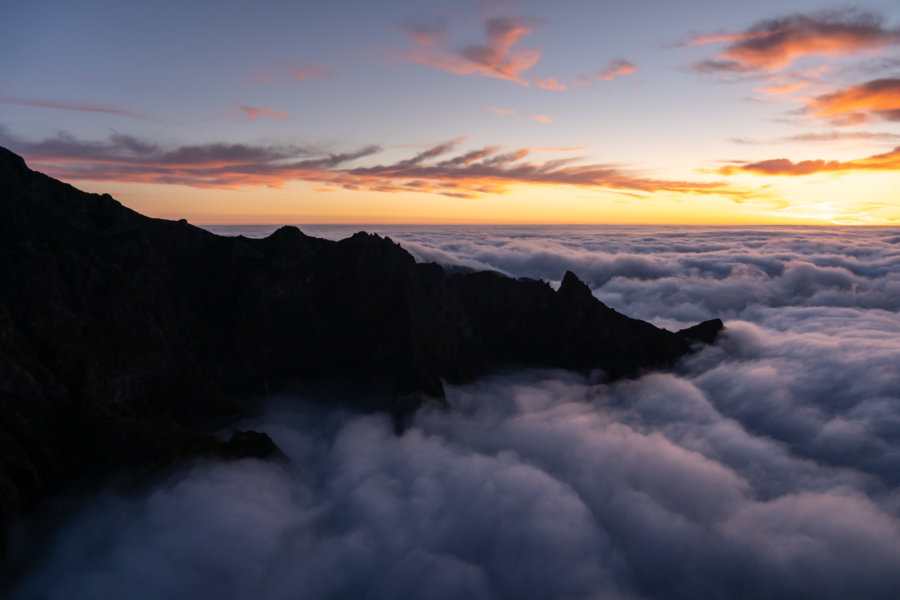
301,72
503,112
774,44
549,83
889,161
426,33
496,57
265,76
545,119
830,136
254,113
78,106
618,67
310,72
440,169
879,98
784,89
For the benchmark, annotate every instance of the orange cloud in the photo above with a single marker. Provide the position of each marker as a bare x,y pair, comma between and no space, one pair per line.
889,161
618,67
254,113
495,58
503,112
77,106
774,44
784,89
880,97
545,119
434,170
549,83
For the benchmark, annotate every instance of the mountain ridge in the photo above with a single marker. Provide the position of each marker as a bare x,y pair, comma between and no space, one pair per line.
124,337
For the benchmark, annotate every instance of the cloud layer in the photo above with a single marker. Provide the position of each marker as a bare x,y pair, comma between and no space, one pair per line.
765,466
441,169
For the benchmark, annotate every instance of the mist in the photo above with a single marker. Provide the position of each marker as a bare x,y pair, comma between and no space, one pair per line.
765,466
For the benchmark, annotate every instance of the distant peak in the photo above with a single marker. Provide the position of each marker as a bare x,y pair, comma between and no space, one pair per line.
364,236
11,162
705,332
287,232
573,287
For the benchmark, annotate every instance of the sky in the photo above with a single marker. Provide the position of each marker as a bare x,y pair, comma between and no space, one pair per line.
577,111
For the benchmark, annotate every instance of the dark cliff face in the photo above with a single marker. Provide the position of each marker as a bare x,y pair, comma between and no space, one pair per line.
122,336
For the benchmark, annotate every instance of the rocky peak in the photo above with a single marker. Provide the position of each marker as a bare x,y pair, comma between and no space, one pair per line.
572,287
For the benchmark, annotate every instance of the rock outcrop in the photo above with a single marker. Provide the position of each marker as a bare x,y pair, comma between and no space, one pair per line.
122,337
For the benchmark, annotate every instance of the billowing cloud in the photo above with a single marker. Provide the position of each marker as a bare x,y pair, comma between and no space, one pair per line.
889,161
774,44
254,113
488,170
880,98
765,466
496,57
618,67
77,106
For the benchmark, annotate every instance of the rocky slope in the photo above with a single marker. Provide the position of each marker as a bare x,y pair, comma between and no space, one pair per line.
123,339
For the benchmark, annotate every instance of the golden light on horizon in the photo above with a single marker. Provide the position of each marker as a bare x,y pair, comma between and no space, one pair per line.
850,198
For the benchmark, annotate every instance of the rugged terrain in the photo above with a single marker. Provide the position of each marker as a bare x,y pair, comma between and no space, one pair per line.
124,340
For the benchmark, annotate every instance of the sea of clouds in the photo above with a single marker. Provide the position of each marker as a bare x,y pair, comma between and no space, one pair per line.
765,466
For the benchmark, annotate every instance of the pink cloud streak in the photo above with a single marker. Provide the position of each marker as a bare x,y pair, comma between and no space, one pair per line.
254,113
618,67
77,106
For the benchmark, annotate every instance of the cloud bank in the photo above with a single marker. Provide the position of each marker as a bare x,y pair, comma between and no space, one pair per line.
764,467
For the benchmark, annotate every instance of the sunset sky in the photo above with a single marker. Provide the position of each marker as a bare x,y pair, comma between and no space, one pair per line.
463,112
